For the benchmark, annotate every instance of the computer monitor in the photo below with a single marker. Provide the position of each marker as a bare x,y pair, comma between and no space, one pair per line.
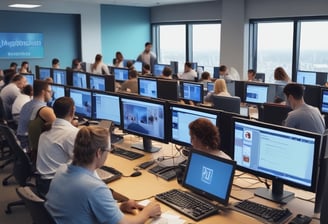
167,89
43,73
209,176
321,78
210,86
256,93
182,115
79,79
138,66
146,118
101,82
216,73
273,113
175,67
158,69
306,77
312,95
83,101
283,155
147,87
194,65
125,62
29,78
324,101
121,74
193,91
102,101
57,92
227,103
59,76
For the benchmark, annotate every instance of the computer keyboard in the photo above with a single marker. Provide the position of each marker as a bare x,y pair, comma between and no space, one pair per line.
130,155
264,213
167,173
187,204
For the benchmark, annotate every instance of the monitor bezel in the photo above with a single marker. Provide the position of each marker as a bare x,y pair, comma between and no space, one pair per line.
145,78
259,85
162,103
120,80
37,72
162,65
316,156
201,86
312,72
164,89
323,90
62,70
72,79
109,81
68,91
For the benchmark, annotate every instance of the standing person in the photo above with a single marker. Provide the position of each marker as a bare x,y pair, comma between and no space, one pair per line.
148,57
85,198
56,145
220,89
189,73
119,59
55,63
9,93
98,67
303,116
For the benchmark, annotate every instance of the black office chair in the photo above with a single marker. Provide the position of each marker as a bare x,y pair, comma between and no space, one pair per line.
227,103
35,205
23,169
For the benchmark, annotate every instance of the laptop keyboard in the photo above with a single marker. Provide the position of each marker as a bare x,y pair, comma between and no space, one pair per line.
187,204
127,154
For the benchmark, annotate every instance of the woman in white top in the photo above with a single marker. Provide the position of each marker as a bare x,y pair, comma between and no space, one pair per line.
98,67
220,89
119,59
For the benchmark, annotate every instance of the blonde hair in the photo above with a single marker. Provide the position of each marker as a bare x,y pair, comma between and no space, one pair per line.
220,86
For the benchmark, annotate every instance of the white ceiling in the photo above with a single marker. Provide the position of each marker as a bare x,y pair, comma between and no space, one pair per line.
140,3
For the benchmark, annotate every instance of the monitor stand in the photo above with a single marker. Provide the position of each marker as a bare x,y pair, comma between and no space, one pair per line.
146,145
277,194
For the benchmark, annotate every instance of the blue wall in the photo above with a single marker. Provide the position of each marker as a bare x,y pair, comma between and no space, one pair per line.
61,33
124,29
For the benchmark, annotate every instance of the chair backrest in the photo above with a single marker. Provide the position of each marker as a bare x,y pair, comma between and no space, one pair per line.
227,103
35,205
22,165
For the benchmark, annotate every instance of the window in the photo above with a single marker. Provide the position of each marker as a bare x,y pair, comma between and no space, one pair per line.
314,46
188,42
274,48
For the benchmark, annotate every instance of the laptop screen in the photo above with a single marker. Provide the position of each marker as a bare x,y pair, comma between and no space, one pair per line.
210,176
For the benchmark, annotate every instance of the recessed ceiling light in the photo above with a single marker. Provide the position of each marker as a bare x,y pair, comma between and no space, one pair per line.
26,6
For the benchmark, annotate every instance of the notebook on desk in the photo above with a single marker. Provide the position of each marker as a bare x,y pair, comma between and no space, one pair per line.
208,178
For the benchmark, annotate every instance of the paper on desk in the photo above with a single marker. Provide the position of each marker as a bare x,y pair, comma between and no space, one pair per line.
167,218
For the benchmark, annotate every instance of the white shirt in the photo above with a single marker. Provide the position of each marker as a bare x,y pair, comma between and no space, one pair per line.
55,147
191,75
100,68
19,102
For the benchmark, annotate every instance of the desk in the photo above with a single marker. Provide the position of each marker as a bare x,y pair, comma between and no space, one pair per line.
147,185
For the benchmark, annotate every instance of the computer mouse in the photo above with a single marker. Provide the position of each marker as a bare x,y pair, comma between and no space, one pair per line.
136,174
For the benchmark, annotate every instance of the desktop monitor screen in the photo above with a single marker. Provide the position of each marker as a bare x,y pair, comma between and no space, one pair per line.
324,101
57,92
256,94
144,117
182,115
306,77
284,155
83,101
191,91
216,73
101,82
79,79
210,86
29,78
138,66
102,102
167,89
44,73
158,69
121,74
59,76
147,87
209,176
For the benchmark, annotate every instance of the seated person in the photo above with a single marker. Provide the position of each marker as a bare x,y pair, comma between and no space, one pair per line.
56,145
303,116
146,69
189,73
167,73
20,100
131,85
205,136
205,77
85,198
220,89
251,75
224,73
76,65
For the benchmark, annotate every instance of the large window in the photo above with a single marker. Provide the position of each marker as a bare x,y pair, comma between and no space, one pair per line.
188,42
294,44
314,46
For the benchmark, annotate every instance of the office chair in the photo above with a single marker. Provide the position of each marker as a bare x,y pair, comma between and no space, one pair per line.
22,170
35,205
227,103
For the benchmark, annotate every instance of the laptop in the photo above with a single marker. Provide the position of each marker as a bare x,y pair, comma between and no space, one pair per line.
208,178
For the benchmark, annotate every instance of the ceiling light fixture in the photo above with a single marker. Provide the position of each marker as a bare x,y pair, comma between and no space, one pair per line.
25,6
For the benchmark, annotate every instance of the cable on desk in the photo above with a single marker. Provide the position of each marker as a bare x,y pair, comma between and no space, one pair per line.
308,200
